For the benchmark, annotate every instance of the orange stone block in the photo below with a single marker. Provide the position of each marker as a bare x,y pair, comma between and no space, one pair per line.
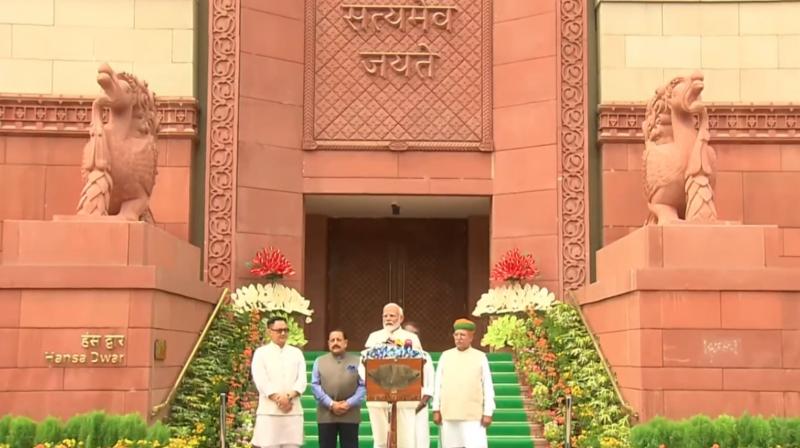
9,308
791,349
54,308
62,404
539,173
350,164
722,348
778,380
755,309
9,348
684,404
516,9
445,165
107,378
48,378
269,167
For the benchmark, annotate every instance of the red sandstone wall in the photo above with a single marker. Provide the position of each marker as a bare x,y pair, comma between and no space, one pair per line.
40,177
269,199
525,201
727,351
756,184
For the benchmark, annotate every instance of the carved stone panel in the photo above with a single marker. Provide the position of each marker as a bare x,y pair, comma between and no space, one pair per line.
398,74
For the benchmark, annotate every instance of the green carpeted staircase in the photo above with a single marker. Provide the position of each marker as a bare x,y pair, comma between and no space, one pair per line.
510,428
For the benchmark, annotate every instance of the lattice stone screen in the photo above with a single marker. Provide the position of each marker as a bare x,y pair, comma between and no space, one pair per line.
398,74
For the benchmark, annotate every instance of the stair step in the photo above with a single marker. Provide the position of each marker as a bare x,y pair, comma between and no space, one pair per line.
495,441
500,401
496,429
510,427
497,377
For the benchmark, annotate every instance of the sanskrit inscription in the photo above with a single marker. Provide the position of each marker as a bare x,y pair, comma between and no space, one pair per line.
400,62
398,74
362,17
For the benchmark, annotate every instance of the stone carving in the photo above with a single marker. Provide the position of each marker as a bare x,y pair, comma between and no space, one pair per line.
223,107
622,123
678,161
119,161
56,116
572,144
398,77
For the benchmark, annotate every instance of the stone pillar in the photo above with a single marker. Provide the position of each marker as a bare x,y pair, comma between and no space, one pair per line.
63,281
699,319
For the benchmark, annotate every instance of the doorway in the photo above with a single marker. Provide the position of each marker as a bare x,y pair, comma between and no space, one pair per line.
421,264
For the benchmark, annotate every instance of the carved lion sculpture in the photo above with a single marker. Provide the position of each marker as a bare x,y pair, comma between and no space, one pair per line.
678,161
119,161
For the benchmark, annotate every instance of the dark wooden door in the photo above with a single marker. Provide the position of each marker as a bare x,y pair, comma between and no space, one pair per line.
419,263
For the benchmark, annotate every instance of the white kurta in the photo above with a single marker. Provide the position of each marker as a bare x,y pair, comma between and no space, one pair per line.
423,435
379,410
465,433
278,370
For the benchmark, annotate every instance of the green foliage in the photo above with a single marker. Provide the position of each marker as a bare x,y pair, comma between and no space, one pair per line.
505,331
559,359
111,430
725,432
699,432
72,429
159,432
5,426
132,427
22,433
49,430
197,399
94,429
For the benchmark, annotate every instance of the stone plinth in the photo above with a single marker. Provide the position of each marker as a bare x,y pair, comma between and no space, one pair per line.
61,280
699,319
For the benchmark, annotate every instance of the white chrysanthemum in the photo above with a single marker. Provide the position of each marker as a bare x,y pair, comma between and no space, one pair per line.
514,299
270,297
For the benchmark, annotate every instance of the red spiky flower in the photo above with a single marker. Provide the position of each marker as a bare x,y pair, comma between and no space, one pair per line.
271,264
514,267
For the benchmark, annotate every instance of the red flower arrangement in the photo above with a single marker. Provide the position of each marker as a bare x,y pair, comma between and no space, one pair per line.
514,267
271,264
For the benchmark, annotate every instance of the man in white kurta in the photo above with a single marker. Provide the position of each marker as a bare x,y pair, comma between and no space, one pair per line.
279,372
391,333
422,427
463,396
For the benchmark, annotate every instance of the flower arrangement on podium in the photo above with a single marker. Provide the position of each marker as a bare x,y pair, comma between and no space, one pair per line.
398,349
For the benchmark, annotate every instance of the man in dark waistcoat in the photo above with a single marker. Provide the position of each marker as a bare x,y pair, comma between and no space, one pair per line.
339,391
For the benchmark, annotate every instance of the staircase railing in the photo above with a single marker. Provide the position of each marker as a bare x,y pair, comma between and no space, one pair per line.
625,406
159,407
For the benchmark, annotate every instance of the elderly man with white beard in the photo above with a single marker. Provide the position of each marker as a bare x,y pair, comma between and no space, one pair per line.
392,333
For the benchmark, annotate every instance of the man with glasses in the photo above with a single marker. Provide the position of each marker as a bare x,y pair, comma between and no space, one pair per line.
463,395
339,390
279,372
393,334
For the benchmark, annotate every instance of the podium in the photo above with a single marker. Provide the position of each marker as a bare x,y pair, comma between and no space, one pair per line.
392,380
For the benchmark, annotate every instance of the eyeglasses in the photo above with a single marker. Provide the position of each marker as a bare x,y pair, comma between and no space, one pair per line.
279,330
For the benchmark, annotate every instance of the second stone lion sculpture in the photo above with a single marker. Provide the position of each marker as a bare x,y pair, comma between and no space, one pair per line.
119,161
678,161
